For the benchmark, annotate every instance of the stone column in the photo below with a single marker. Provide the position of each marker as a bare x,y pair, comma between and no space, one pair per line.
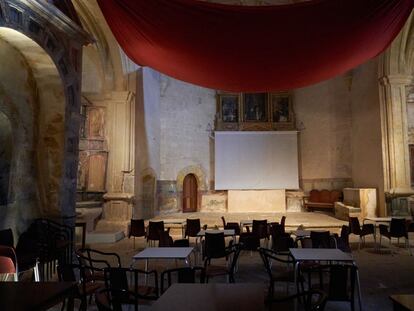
121,145
395,132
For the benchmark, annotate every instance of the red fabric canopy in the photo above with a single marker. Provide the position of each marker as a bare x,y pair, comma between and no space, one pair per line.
254,48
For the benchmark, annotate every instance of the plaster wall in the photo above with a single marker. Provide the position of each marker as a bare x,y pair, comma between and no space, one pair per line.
366,131
185,111
323,117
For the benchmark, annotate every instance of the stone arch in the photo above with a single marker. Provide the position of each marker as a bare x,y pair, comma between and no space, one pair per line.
201,178
42,25
198,172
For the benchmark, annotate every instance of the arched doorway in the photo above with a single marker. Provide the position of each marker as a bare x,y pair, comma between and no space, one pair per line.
190,193
5,157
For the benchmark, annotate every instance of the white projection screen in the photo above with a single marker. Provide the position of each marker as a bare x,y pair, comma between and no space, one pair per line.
256,160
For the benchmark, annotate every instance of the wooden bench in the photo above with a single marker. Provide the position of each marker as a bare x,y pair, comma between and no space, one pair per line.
322,199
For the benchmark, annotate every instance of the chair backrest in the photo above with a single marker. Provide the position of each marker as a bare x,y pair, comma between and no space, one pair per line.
214,245
282,223
116,279
182,275
259,228
314,196
354,225
165,239
398,227
335,196
224,222
321,239
268,256
6,237
137,228
282,243
343,241
154,229
340,280
181,243
233,226
306,242
193,227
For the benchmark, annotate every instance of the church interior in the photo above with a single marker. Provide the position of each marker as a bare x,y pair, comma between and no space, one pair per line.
105,130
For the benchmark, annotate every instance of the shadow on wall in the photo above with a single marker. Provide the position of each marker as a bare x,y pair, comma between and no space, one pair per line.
5,157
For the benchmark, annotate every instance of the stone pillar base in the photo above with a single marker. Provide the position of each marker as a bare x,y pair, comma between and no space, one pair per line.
118,206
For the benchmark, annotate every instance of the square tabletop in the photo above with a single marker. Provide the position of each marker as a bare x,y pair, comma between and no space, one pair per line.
227,232
334,254
164,253
212,296
386,219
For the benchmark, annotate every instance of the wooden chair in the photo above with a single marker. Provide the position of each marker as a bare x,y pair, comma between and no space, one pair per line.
137,229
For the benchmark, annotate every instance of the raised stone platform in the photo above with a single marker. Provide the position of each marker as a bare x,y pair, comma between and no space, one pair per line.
293,220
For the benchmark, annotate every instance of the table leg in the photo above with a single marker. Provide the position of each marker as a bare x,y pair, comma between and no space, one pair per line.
146,270
359,292
296,276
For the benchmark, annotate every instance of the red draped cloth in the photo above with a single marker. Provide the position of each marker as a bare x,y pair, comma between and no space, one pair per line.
254,48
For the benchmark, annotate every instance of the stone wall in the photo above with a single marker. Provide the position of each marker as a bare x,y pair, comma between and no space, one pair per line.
323,114
186,111
366,131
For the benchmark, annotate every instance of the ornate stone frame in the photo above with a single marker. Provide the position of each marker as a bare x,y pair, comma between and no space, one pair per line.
43,23
200,175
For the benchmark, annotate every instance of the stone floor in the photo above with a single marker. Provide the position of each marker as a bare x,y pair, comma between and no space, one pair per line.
381,274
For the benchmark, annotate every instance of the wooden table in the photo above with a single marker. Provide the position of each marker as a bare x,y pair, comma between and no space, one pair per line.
212,297
322,254
35,296
403,302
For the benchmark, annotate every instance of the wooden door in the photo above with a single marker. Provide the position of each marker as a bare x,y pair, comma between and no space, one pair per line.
190,192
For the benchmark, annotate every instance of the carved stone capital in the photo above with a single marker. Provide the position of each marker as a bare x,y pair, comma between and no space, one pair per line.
398,80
